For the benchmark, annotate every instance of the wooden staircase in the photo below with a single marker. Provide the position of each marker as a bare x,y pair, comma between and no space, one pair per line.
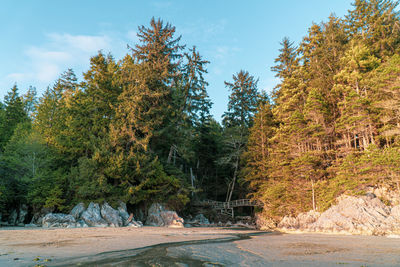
226,208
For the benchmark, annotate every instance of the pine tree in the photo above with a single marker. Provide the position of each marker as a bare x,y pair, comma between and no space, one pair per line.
143,113
376,22
196,101
256,156
237,120
242,100
30,101
14,114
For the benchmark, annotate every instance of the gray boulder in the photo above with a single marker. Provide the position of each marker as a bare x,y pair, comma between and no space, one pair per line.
159,216
92,216
78,210
111,215
123,213
23,211
38,216
199,220
154,219
58,220
171,219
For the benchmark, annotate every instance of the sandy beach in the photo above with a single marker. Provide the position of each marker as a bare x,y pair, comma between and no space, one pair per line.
122,247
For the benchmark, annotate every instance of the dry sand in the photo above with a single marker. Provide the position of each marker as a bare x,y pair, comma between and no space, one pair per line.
20,247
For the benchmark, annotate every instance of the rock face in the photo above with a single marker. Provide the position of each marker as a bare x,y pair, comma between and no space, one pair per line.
159,216
111,215
199,220
393,197
123,213
38,216
302,221
354,215
23,211
78,210
58,220
12,218
264,223
92,216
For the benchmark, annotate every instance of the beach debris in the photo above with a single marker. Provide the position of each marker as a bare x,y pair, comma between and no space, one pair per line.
111,215
135,224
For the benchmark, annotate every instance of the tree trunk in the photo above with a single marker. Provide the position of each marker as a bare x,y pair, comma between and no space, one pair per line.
313,194
229,195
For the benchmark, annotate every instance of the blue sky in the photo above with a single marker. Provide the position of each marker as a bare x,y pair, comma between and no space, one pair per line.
41,39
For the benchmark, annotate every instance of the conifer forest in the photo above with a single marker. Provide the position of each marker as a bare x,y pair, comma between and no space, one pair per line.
139,129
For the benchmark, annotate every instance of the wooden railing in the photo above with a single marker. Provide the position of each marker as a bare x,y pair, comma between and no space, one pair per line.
229,205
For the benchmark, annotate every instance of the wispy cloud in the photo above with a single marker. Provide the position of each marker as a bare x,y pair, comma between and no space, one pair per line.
81,43
44,63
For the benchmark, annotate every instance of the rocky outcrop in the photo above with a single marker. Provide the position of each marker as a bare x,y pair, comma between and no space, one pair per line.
159,216
92,216
12,218
78,210
111,215
23,211
58,220
264,223
198,220
302,221
351,215
123,213
38,216
386,194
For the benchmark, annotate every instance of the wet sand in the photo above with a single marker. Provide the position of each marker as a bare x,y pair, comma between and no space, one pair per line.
221,247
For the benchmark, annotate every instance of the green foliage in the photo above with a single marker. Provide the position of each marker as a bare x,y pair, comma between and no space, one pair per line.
336,113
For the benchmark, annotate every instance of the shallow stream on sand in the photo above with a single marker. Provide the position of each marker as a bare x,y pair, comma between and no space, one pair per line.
188,253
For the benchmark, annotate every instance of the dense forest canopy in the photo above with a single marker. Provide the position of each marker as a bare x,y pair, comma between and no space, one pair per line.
139,129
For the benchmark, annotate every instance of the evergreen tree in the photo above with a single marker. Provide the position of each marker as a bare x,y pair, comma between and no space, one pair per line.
14,113
30,101
256,156
376,22
242,100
